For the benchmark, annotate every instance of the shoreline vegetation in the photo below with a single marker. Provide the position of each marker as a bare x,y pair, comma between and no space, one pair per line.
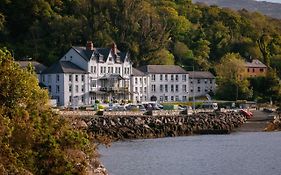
33,139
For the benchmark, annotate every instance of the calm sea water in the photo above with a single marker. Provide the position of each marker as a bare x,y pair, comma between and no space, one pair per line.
255,153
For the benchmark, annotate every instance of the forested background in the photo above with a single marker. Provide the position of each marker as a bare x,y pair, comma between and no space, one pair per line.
153,31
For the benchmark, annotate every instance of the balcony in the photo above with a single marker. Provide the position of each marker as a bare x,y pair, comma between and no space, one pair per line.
115,89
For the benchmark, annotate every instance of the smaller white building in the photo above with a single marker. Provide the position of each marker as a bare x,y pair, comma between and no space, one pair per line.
139,86
166,83
201,83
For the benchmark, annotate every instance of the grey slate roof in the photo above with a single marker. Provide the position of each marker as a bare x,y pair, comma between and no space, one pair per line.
201,75
163,69
256,63
39,68
137,72
64,67
97,52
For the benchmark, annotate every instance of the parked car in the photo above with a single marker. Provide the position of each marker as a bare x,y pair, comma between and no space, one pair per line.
247,114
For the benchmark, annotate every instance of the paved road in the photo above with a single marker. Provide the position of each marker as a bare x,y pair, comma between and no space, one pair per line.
257,123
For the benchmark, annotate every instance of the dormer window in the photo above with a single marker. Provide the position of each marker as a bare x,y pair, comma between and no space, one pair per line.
110,58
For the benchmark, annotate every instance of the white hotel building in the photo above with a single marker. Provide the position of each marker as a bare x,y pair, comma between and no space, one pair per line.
86,74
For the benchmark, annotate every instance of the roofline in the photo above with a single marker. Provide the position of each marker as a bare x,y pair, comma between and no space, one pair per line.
72,47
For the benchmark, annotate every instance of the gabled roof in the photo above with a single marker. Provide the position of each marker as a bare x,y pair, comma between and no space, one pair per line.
255,63
136,72
163,69
37,66
64,67
201,75
97,52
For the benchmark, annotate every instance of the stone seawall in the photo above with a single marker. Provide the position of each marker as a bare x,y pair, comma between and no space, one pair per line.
136,127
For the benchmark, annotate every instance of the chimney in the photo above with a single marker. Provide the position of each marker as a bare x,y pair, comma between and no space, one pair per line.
114,48
89,45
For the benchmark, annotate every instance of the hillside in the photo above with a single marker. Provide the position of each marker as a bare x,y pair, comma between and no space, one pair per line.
267,8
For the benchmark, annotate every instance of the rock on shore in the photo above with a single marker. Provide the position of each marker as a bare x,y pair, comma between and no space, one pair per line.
136,127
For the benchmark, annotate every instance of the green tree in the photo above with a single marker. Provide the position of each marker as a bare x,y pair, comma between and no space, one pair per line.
232,84
33,139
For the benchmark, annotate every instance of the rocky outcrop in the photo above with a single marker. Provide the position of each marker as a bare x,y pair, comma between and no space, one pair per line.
275,125
135,127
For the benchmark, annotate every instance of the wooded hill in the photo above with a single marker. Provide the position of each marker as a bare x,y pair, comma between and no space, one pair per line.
153,31
267,8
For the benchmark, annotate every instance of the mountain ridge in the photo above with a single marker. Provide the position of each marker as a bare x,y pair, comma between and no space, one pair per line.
267,8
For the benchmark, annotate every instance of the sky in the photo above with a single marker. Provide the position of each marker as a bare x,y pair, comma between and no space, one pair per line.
277,1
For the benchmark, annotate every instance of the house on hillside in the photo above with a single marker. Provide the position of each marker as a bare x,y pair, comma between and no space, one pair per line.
201,83
86,74
255,68
166,83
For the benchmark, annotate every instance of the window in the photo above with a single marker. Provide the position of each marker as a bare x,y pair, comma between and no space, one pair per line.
82,88
191,81
144,80
136,80
58,78
108,70
110,58
211,81
166,88
141,89
43,78
177,98
248,70
94,83
101,70
166,77
144,90
70,99
82,78
184,98
172,98
261,70
166,98
119,70
76,77
161,77
172,88
95,69
253,69
206,90
136,89
183,77
161,98
184,88
70,88
198,89
177,77
153,77
205,81
198,81
191,90
76,88
177,88
161,87
92,69
140,80
82,98
70,78
172,77
116,70
153,88
57,89
111,69
50,89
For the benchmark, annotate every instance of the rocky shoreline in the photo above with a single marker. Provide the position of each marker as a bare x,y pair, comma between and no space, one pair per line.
141,127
